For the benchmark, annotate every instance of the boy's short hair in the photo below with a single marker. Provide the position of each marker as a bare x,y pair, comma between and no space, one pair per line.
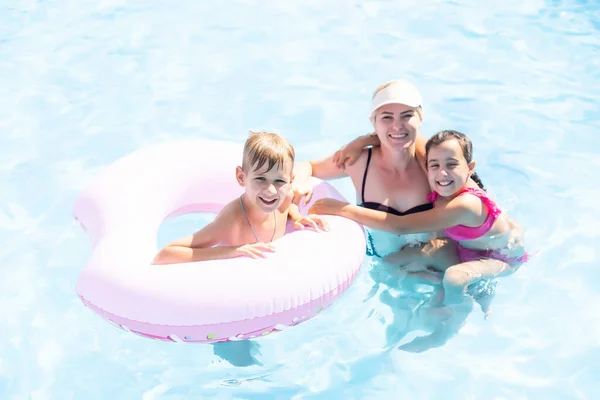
266,147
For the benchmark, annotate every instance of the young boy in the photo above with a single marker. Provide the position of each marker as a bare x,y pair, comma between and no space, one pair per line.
247,225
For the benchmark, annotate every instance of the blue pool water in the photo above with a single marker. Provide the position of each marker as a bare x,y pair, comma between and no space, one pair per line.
84,83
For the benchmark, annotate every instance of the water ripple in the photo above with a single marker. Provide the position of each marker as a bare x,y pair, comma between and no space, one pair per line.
85,83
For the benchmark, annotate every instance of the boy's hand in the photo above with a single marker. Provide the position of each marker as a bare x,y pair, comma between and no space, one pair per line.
302,187
254,250
316,222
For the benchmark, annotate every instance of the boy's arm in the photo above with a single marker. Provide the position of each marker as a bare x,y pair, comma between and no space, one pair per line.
199,246
291,206
317,222
294,213
420,142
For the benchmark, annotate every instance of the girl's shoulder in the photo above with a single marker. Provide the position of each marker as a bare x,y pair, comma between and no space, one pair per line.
467,199
474,197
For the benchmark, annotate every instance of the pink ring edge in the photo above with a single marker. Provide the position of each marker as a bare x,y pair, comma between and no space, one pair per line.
201,333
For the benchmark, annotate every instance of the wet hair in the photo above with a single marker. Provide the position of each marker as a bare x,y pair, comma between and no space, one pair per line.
266,147
464,142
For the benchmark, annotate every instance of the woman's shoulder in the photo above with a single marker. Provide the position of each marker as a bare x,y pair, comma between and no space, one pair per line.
360,164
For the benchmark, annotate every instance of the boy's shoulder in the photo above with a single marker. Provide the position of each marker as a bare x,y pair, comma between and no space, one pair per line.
287,202
226,223
231,213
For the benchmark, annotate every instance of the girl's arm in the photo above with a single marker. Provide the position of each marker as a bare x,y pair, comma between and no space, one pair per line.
436,219
420,142
350,153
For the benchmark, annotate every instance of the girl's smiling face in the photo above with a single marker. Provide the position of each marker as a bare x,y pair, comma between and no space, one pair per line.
447,168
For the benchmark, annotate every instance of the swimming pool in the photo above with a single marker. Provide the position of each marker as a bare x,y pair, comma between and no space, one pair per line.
84,83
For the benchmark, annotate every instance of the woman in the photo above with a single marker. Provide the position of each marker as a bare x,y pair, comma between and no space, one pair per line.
390,177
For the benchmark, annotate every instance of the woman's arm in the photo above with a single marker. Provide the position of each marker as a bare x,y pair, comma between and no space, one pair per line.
323,168
332,167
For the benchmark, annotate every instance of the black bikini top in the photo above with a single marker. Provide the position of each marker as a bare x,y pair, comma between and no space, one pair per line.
380,207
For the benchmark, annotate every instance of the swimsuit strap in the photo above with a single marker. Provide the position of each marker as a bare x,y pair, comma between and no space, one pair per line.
365,175
432,196
493,209
462,232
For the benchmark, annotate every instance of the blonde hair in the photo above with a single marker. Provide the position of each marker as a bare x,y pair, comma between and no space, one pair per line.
266,147
418,109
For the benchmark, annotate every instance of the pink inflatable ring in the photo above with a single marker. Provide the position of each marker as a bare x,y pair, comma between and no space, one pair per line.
210,301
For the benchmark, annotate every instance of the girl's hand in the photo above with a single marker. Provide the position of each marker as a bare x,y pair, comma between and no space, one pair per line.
350,153
327,206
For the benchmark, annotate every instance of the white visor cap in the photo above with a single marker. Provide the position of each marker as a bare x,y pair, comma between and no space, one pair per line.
398,92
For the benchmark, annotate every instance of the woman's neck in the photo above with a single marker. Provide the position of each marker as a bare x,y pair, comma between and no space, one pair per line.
397,160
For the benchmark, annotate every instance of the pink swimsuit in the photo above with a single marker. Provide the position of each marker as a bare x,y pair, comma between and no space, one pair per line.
461,232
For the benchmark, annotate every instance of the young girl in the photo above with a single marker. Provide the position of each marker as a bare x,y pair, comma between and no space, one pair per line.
489,243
